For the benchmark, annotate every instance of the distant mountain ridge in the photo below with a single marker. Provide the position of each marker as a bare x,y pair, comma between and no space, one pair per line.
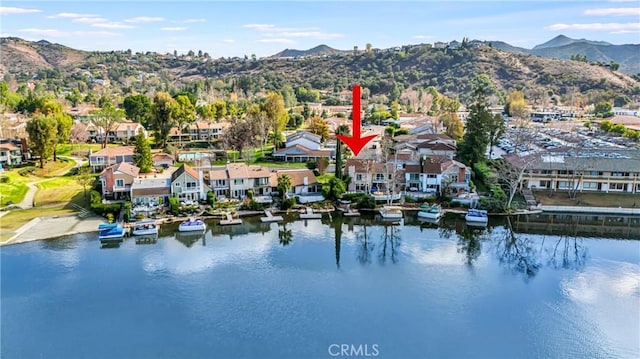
316,51
562,40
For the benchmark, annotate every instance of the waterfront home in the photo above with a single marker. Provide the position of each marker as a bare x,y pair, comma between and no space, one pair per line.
303,181
582,172
150,193
10,154
116,180
219,182
243,178
369,175
436,174
188,184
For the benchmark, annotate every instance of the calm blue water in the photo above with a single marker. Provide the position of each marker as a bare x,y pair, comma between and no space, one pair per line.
291,291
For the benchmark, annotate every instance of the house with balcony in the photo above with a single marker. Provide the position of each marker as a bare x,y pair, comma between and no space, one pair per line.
188,185
586,172
371,176
150,193
110,156
219,182
435,175
243,178
117,179
205,131
10,154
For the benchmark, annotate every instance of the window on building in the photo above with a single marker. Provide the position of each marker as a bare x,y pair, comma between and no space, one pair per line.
593,173
432,176
379,177
618,186
563,184
238,181
545,172
192,185
414,177
177,184
119,182
590,185
545,184
619,174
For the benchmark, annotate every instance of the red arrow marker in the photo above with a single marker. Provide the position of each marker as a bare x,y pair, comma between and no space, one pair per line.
356,143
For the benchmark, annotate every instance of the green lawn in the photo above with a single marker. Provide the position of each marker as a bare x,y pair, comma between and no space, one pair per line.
325,177
58,190
14,189
588,199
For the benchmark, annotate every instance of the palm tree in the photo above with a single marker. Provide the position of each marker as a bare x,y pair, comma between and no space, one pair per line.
284,184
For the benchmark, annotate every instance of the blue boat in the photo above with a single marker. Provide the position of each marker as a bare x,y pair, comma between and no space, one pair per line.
477,216
110,231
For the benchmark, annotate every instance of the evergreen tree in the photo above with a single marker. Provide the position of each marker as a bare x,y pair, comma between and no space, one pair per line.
43,133
341,130
476,138
142,154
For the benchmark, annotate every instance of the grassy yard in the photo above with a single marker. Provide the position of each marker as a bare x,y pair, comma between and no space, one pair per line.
59,190
15,188
325,177
588,199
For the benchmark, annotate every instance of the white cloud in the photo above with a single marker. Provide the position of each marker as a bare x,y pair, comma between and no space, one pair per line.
188,21
112,25
89,20
228,41
422,37
622,11
5,10
612,26
276,41
143,19
175,28
40,33
71,15
261,27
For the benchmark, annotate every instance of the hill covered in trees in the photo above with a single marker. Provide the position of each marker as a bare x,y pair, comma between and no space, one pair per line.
387,73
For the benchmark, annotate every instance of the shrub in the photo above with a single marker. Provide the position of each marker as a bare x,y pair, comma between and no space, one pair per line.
287,203
5,179
354,196
367,201
491,205
127,212
139,216
174,205
484,174
211,198
110,217
26,171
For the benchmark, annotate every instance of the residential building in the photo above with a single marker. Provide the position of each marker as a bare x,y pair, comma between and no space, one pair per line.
205,131
369,175
436,174
303,181
162,159
188,184
110,156
302,146
151,192
440,45
219,182
125,131
117,179
582,173
10,154
243,178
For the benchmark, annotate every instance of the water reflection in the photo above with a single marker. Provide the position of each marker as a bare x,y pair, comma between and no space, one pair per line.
189,238
517,252
469,243
285,236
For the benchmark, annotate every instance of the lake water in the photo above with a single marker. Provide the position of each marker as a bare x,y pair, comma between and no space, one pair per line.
312,288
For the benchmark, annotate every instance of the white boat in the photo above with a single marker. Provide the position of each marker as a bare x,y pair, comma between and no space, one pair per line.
476,216
269,217
390,212
110,231
192,225
144,228
430,212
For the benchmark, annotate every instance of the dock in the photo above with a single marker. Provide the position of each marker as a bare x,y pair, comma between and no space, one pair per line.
269,217
230,220
310,215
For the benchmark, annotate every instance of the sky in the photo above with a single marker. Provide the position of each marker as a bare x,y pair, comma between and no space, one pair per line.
263,28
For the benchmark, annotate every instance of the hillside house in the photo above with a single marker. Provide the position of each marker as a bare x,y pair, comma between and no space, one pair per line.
10,154
125,131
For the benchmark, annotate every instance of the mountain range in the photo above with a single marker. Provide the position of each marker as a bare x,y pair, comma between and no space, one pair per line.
381,71
560,47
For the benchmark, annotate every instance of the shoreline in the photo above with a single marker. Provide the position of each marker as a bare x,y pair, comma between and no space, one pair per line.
70,224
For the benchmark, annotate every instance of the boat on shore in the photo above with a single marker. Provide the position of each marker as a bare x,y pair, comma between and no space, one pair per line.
391,212
145,228
110,231
430,211
476,216
192,225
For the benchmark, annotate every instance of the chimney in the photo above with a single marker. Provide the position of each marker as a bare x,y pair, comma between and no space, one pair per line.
461,173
